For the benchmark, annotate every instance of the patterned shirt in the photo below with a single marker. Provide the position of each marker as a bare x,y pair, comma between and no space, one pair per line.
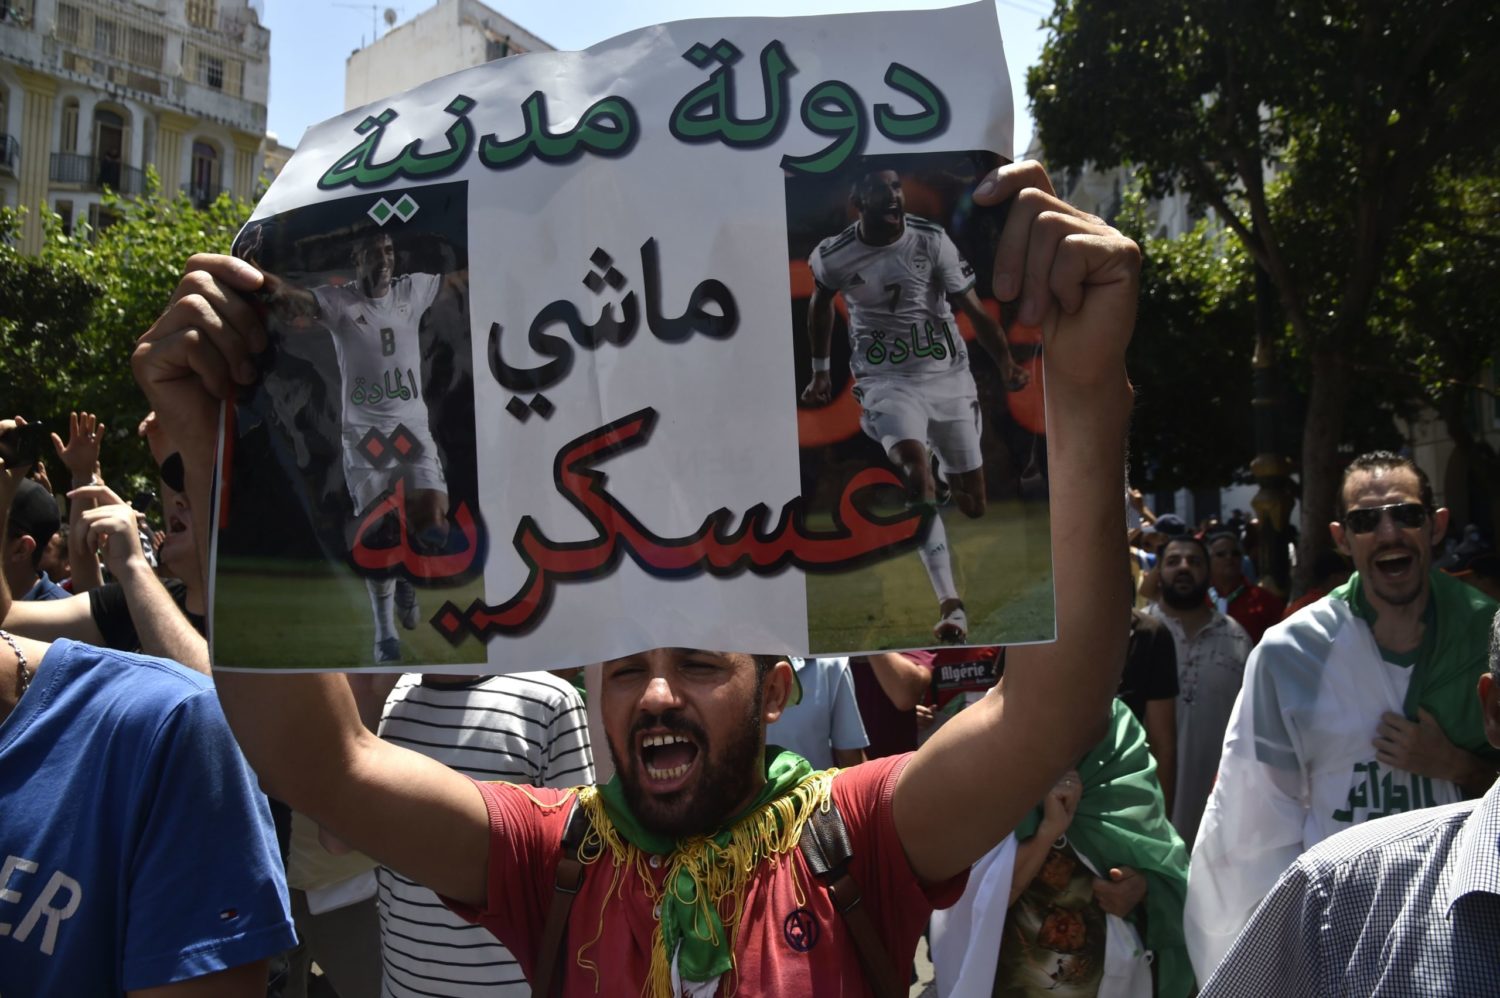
1406,905
1210,669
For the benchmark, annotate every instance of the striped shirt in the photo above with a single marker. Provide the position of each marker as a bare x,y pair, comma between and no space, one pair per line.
528,728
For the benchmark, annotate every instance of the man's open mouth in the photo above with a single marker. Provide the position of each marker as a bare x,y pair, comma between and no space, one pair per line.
1395,564
666,757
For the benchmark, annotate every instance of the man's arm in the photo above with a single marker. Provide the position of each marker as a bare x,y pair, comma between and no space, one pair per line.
1161,739
987,332
162,628
903,681
48,620
1078,280
820,341
245,981
1058,808
301,733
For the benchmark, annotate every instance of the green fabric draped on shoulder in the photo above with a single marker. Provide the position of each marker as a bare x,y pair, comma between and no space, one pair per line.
1121,821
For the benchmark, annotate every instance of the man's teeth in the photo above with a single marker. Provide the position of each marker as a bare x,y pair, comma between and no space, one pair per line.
653,741
667,774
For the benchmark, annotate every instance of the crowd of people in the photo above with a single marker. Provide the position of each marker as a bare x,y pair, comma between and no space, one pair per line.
1197,788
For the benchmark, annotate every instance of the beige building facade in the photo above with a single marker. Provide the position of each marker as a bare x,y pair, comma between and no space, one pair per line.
450,36
93,92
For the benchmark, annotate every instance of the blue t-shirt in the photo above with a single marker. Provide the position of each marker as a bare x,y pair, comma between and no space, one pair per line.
135,847
45,589
827,716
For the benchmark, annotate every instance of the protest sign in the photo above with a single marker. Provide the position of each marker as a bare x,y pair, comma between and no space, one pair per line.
684,340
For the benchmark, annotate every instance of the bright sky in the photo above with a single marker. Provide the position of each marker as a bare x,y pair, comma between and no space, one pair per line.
310,39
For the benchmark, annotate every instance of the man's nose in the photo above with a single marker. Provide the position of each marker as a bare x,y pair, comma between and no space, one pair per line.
1387,529
658,696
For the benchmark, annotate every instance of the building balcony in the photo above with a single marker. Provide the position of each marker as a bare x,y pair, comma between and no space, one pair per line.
10,154
203,195
96,172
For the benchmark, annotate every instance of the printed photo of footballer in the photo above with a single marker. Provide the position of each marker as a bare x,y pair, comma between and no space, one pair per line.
366,406
903,362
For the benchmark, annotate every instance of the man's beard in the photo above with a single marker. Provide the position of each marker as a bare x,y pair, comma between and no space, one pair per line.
1188,600
721,785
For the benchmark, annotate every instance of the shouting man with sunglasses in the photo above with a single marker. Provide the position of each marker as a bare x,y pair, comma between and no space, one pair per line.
1358,706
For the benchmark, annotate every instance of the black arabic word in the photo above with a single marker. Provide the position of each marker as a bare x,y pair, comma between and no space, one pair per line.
612,328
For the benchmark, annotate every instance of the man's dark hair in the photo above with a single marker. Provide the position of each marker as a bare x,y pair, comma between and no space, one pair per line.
1224,535
34,514
1377,461
764,664
1192,539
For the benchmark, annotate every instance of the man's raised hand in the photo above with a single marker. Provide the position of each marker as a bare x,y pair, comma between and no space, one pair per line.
80,455
192,357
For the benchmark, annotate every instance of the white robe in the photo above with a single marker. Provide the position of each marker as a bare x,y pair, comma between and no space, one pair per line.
1297,766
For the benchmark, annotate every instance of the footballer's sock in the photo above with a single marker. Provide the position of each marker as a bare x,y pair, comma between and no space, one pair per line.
938,561
383,604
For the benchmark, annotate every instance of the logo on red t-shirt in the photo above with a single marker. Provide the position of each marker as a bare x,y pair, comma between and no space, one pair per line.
801,930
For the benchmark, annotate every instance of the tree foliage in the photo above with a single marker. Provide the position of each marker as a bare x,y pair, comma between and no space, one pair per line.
1317,132
1188,360
70,315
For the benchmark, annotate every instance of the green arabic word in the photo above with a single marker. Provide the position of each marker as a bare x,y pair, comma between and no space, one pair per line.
708,113
1377,795
356,166
898,351
607,128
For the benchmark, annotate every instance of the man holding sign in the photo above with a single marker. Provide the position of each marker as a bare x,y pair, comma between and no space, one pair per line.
901,276
695,800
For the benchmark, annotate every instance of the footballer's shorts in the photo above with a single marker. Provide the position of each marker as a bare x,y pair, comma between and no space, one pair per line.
367,481
941,412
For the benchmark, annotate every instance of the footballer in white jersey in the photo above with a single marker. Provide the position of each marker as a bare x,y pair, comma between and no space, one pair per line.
901,277
375,321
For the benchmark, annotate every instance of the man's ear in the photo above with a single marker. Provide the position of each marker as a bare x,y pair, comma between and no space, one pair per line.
1439,525
1489,705
778,686
1340,539
20,548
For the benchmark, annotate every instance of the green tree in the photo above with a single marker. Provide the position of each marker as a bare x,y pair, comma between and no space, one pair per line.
70,315
1191,426
1312,129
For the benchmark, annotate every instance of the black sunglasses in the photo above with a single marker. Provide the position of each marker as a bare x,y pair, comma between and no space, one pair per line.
1406,514
172,473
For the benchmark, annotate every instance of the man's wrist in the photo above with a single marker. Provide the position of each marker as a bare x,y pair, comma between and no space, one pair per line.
821,365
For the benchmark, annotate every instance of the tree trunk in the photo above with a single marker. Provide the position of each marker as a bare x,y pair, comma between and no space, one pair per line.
1478,456
1328,390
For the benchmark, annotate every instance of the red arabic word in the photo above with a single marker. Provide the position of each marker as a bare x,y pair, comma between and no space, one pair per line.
717,547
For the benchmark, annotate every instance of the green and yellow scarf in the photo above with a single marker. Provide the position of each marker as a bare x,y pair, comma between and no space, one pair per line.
707,874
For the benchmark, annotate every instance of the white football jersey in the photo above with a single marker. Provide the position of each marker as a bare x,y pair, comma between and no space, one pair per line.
379,350
900,322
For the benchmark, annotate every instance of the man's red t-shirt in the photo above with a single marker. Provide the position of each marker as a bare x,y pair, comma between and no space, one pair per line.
791,940
1255,609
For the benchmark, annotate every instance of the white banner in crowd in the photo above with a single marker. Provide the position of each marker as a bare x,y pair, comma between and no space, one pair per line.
683,340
